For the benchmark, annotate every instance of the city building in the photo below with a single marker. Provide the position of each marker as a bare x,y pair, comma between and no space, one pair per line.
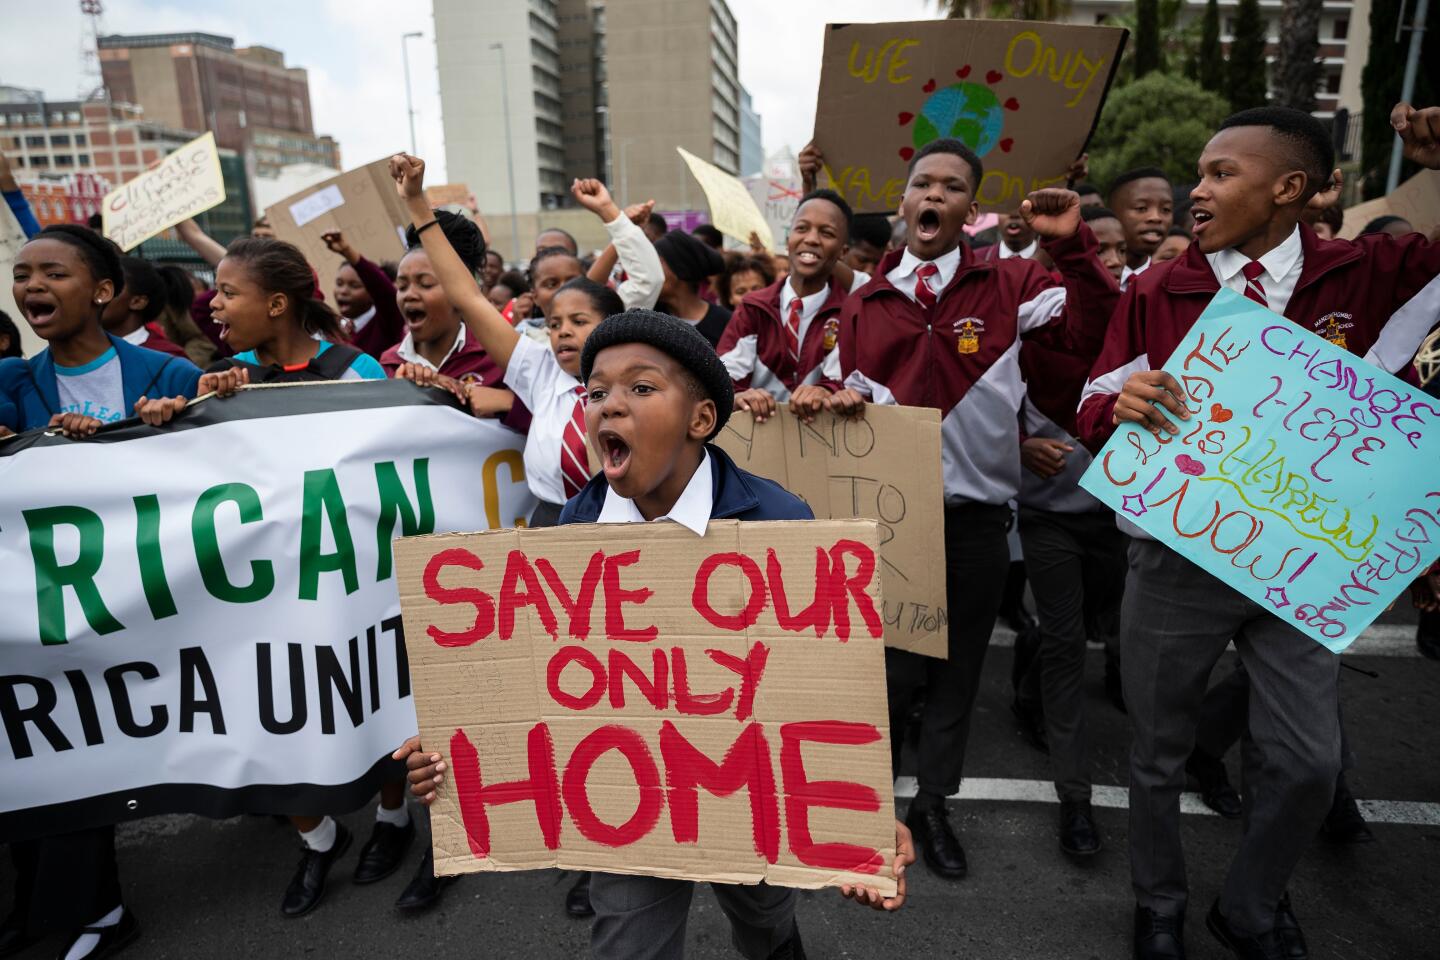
752,147
590,89
199,81
1344,40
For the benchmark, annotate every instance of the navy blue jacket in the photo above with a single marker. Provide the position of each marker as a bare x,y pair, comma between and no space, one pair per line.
739,495
29,397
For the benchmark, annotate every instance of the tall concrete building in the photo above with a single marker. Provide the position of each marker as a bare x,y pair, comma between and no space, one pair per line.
200,81
752,147
604,88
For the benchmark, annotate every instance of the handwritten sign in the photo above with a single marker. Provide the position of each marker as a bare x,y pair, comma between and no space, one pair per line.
360,203
1417,200
186,183
1023,95
886,468
776,198
732,209
636,699
1305,477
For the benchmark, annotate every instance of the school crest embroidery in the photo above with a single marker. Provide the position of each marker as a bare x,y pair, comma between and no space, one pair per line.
471,379
832,333
1332,327
967,334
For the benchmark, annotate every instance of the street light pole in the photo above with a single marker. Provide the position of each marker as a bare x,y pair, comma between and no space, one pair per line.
1407,85
509,152
409,104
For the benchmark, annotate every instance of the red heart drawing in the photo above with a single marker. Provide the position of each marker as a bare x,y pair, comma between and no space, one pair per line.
1012,104
1219,414
963,72
906,153
1189,465
1006,144
906,117
993,77
929,86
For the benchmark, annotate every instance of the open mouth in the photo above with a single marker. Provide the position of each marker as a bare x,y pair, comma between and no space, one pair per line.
39,311
1202,219
1152,236
807,258
927,224
1012,228
566,351
414,316
614,453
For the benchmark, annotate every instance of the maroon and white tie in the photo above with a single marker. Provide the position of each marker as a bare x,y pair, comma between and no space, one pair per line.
574,463
792,330
1254,289
924,293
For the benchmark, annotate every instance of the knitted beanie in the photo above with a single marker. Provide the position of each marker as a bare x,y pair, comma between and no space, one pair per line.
675,338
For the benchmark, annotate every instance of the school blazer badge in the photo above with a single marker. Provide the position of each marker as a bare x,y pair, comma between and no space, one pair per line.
832,333
1332,327
967,334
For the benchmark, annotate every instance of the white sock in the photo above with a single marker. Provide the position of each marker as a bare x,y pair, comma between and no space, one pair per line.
322,838
396,818
87,942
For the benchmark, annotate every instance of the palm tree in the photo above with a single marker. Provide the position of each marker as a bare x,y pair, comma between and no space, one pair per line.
1297,68
1246,75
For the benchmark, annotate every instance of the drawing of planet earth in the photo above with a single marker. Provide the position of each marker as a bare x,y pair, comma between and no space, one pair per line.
969,112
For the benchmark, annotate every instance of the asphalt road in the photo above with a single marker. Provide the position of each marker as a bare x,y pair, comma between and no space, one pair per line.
212,889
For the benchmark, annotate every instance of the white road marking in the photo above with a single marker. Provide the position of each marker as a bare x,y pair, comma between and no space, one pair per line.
1379,640
1118,798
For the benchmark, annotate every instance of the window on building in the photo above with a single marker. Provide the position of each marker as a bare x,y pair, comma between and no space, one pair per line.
1341,29
59,139
84,159
72,116
1332,83
34,141
64,160
80,140
39,161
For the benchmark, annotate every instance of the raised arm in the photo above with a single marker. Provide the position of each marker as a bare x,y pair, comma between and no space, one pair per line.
482,320
196,239
644,274
16,199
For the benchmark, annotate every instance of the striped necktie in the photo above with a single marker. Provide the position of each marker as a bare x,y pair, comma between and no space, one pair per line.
1254,289
574,462
924,293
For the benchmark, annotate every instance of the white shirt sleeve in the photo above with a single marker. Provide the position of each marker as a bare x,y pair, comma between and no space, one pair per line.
531,371
644,274
861,278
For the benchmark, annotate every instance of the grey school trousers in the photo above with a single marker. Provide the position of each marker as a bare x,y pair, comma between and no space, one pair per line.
1176,620
1076,566
643,918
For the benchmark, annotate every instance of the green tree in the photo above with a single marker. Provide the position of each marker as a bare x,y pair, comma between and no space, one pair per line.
1176,42
1159,120
1297,64
1147,37
1005,9
1207,66
1246,83
1380,87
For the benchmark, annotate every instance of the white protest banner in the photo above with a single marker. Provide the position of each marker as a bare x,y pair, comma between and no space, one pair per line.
204,618
185,183
732,209
636,699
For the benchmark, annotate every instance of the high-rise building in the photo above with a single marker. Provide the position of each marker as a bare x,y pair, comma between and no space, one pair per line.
253,102
595,88
752,146
1344,33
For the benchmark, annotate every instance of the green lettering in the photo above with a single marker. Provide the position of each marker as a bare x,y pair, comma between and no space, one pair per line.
52,577
323,501
207,544
152,564
395,503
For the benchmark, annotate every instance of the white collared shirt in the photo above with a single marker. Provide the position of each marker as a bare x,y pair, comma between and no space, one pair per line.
1282,270
1005,253
809,306
548,391
359,322
408,354
691,510
138,336
1126,273
903,277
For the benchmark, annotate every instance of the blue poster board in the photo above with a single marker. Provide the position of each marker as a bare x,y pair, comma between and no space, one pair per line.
1305,478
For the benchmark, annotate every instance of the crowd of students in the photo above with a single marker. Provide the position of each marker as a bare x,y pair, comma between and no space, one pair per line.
1033,347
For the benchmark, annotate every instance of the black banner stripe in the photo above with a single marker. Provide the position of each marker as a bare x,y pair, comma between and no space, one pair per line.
219,803
254,403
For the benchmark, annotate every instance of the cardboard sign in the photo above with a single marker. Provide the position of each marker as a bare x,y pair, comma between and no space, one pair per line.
444,193
732,209
635,699
361,203
1305,477
777,198
886,468
186,183
1023,95
1417,200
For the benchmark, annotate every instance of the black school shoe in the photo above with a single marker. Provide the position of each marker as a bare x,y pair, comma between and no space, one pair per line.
1264,947
791,949
1287,930
1344,823
384,851
113,938
425,888
937,841
577,901
307,887
1158,936
1079,836
1215,789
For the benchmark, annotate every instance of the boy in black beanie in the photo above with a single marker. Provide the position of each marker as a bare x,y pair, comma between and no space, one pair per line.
657,394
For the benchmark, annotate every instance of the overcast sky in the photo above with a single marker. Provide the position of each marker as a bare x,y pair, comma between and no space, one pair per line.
352,51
